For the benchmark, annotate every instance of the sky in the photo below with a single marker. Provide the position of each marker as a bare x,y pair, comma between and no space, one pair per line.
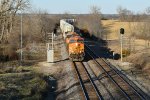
83,6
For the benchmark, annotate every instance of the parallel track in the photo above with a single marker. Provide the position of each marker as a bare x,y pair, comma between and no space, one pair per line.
107,68
87,91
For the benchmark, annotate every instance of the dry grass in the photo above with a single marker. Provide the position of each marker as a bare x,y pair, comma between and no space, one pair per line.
21,85
141,60
113,28
140,56
21,82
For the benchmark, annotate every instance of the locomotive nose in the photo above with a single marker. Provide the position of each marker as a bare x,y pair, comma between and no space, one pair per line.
77,44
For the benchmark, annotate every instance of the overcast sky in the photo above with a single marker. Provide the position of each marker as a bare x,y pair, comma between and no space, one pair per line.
82,6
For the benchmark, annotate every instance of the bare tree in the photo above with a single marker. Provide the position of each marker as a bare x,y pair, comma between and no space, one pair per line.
140,27
8,12
66,15
91,22
96,26
125,14
37,25
148,10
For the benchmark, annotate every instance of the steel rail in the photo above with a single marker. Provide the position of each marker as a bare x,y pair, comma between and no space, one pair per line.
110,77
81,83
141,96
110,66
93,84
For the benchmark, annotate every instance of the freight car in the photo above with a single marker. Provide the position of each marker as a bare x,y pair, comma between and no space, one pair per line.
66,27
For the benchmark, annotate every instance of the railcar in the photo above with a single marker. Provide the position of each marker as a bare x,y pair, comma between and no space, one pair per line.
66,28
74,43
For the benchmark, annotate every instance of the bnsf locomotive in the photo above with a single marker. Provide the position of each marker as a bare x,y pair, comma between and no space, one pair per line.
75,44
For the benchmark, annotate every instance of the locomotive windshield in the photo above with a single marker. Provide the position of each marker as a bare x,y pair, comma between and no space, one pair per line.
72,41
80,41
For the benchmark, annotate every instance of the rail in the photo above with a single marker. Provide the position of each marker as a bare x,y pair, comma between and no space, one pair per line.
81,83
123,91
91,81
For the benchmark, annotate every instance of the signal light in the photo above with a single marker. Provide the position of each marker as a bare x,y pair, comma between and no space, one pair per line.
122,31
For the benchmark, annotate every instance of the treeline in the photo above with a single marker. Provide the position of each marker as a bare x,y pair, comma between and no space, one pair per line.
35,25
139,23
128,15
8,12
91,23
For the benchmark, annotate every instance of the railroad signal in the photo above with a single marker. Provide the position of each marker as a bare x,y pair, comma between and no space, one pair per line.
122,31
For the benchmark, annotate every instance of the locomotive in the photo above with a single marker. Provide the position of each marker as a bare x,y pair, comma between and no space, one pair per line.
75,47
74,43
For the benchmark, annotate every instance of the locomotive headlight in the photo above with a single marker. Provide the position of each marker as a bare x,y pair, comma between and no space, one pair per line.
76,44
72,51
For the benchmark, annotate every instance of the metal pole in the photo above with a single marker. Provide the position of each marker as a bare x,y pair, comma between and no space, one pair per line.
113,55
121,46
52,41
21,41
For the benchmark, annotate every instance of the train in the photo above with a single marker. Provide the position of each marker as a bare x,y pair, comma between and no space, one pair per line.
66,27
74,42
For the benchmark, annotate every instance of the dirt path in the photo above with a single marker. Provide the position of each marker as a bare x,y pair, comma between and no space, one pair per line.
62,71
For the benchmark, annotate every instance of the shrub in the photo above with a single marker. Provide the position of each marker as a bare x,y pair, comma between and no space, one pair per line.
8,53
125,52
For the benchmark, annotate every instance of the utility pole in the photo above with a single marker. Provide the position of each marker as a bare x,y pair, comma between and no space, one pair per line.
121,42
121,46
21,41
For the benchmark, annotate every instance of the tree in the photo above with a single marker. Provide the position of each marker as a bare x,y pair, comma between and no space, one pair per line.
37,24
95,18
140,28
8,12
66,15
125,14
91,22
148,10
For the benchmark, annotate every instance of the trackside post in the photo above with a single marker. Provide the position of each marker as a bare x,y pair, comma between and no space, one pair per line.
121,41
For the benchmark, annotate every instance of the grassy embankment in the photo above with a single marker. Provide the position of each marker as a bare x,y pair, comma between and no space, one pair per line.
140,56
22,82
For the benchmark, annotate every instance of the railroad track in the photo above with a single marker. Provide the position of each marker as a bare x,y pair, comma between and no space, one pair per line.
89,88
114,76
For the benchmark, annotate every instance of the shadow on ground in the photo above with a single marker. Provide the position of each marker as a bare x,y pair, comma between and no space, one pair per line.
98,45
100,48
